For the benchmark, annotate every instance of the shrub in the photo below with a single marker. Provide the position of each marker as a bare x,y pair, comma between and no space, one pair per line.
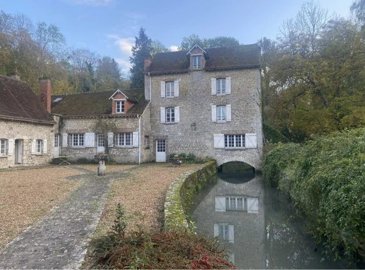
325,178
161,250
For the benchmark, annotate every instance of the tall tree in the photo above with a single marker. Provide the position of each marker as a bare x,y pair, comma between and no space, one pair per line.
108,75
358,8
191,40
140,51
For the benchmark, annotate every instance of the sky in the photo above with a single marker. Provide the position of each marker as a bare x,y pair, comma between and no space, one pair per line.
109,27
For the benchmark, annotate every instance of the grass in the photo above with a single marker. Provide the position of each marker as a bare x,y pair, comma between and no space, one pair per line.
27,195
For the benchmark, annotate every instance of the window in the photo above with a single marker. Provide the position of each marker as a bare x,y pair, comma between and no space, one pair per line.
223,231
100,140
234,141
76,139
39,146
170,115
119,106
221,113
197,61
56,140
123,139
236,203
221,86
169,89
4,147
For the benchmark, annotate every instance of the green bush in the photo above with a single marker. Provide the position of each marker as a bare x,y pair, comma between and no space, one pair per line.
189,158
325,178
158,250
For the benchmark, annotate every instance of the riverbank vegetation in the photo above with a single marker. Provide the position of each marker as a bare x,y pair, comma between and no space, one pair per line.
324,178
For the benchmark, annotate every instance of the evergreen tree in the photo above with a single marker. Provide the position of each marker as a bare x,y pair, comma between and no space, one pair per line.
140,51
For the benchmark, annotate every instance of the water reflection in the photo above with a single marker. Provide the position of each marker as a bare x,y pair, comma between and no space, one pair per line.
256,225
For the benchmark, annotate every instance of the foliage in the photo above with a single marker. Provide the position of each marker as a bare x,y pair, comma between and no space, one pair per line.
189,158
156,250
140,51
313,76
191,40
325,179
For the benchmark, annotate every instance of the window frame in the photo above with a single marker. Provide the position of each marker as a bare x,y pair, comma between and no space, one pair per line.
100,142
234,141
57,140
221,113
39,146
4,147
76,140
123,139
169,89
170,115
232,203
119,106
221,86
197,64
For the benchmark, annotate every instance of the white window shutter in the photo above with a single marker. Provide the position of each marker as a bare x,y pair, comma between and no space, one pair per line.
45,146
220,204
64,139
216,230
228,85
89,139
33,149
177,114
252,205
162,88
214,113
228,112
176,88
218,140
135,138
250,140
11,147
110,139
162,114
231,233
214,86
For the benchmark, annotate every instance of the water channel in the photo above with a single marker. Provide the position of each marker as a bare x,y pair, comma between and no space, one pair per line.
257,225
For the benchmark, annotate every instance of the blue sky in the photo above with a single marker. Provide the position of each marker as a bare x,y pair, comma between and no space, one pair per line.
108,27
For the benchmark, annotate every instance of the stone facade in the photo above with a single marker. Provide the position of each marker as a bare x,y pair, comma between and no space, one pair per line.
194,133
23,135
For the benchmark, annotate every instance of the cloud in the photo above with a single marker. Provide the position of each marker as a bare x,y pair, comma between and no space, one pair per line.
125,45
92,2
174,48
124,65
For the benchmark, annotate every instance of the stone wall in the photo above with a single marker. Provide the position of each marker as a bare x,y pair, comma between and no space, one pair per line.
27,133
194,132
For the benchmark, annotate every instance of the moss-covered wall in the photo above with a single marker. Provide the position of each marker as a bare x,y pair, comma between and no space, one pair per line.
181,194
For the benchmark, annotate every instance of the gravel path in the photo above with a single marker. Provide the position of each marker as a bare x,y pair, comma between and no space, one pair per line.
60,239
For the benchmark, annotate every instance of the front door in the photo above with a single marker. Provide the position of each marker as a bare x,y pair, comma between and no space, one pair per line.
18,151
100,143
160,150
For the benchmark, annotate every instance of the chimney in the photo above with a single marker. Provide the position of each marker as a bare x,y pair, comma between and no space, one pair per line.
147,64
46,91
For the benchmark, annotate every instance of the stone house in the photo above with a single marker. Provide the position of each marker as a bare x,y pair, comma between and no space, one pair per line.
114,122
25,125
206,102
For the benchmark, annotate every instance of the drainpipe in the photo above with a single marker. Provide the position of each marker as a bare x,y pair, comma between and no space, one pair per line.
149,75
139,140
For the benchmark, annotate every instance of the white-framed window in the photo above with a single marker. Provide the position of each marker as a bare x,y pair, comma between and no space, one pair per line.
123,139
56,140
76,139
169,89
224,231
197,61
100,140
39,146
234,141
234,203
170,114
4,147
120,106
221,113
221,86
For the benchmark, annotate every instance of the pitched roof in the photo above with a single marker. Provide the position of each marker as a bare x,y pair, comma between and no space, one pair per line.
95,104
223,58
18,102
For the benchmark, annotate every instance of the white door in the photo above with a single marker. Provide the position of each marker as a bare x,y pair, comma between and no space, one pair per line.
56,148
100,143
160,150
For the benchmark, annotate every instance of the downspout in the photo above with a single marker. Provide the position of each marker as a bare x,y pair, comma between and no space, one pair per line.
139,140
149,74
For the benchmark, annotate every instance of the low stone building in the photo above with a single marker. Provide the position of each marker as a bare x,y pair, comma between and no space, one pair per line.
112,122
206,102
25,126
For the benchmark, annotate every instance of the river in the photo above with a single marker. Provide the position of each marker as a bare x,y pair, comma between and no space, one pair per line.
257,225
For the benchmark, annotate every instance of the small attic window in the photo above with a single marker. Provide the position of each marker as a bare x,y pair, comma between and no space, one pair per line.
197,61
120,106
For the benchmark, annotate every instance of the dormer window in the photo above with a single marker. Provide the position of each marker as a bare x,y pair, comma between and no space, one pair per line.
120,106
197,61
